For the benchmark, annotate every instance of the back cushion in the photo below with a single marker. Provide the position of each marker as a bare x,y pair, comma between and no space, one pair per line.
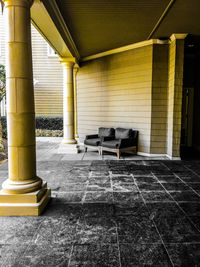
121,133
134,134
104,132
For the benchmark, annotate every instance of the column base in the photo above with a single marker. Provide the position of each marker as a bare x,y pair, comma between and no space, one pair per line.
29,204
68,149
69,141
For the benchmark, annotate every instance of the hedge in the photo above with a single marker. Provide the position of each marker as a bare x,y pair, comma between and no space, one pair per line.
42,123
4,127
49,123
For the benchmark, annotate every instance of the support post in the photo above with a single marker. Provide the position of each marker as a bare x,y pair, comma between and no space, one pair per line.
69,142
175,88
23,193
75,103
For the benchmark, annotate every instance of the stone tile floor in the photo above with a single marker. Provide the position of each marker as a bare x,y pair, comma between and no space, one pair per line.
108,213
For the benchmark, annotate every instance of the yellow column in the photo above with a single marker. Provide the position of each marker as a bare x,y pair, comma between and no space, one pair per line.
23,193
75,102
68,101
175,88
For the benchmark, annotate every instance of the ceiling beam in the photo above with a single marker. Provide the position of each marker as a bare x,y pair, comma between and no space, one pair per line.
43,23
161,18
53,10
125,48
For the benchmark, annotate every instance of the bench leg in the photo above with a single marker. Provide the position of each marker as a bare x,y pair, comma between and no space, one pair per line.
85,149
99,151
118,155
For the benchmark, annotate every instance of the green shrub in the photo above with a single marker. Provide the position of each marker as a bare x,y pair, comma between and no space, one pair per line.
44,126
49,123
4,127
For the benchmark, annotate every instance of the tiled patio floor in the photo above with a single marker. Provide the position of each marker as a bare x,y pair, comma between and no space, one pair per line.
109,213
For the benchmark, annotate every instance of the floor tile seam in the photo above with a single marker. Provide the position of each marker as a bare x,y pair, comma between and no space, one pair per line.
31,241
111,183
164,165
192,171
119,252
70,256
82,158
183,243
186,184
162,241
163,187
177,203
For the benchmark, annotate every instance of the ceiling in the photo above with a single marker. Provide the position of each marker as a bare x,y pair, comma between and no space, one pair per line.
100,25
183,17
89,27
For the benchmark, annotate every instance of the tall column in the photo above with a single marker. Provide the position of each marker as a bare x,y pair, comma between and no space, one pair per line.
75,103
23,193
175,88
68,101
69,142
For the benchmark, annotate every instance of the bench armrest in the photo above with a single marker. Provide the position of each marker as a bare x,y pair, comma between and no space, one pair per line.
91,136
128,142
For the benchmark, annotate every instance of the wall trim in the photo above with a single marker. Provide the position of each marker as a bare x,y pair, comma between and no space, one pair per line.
178,36
158,155
125,48
150,155
173,158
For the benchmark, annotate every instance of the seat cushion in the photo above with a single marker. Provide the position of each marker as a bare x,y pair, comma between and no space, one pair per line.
106,132
92,142
121,133
111,144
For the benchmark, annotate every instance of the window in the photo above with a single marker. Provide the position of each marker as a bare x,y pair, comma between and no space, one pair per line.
50,51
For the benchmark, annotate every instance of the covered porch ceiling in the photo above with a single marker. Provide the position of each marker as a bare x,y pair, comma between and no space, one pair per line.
77,28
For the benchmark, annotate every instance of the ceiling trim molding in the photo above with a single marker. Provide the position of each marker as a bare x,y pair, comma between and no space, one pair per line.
56,16
161,18
44,36
124,48
178,36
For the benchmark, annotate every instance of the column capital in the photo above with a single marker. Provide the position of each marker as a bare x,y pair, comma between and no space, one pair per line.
178,36
76,68
22,3
68,61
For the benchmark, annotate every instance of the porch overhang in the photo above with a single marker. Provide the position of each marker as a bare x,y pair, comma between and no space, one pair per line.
84,29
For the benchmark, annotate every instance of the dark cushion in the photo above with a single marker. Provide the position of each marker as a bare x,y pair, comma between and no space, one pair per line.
134,134
111,144
105,132
121,133
92,142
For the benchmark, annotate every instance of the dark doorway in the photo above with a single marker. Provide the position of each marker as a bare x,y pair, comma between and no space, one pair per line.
190,125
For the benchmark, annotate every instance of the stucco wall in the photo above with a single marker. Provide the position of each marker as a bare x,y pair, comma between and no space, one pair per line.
116,91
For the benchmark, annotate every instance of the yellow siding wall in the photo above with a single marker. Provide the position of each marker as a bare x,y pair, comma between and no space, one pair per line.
116,91
48,72
159,99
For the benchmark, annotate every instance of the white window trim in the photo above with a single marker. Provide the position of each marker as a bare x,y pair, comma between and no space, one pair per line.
50,51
